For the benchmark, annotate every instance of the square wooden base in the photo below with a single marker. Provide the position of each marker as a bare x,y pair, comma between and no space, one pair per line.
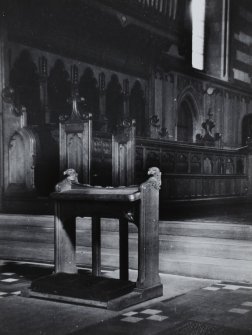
85,289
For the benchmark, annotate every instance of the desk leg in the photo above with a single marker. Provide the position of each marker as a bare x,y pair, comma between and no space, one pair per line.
96,246
148,238
124,249
65,241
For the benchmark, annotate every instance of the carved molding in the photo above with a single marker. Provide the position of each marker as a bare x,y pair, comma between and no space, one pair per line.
9,96
154,121
159,74
78,113
123,129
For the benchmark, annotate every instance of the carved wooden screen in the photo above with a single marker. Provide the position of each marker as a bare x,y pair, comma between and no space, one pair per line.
22,153
24,79
88,89
137,108
246,128
185,123
114,102
59,91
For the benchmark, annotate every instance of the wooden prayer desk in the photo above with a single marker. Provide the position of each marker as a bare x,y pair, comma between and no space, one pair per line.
138,204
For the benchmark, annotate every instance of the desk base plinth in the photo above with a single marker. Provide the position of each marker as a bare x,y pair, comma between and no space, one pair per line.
84,289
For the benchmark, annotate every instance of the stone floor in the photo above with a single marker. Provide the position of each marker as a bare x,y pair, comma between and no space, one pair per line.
189,306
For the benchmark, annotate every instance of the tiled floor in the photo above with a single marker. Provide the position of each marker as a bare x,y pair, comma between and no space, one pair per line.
217,308
10,284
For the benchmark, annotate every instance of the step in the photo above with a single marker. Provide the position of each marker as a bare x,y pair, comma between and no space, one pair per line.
186,265
206,250
208,247
177,228
207,267
38,232
193,266
206,229
211,247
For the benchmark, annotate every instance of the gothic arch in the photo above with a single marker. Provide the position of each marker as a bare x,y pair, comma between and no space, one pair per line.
59,90
137,107
187,117
114,101
88,89
24,79
23,151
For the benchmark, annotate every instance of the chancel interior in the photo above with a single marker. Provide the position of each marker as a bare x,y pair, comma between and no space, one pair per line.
112,89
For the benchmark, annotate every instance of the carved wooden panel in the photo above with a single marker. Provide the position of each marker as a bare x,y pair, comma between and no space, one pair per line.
229,166
240,166
101,161
88,89
194,172
137,108
220,166
139,164
75,140
123,153
114,101
59,91
167,162
196,164
23,150
152,158
47,166
182,163
207,165
17,160
75,153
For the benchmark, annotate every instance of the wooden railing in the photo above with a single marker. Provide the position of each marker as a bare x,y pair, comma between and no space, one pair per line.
191,171
188,171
